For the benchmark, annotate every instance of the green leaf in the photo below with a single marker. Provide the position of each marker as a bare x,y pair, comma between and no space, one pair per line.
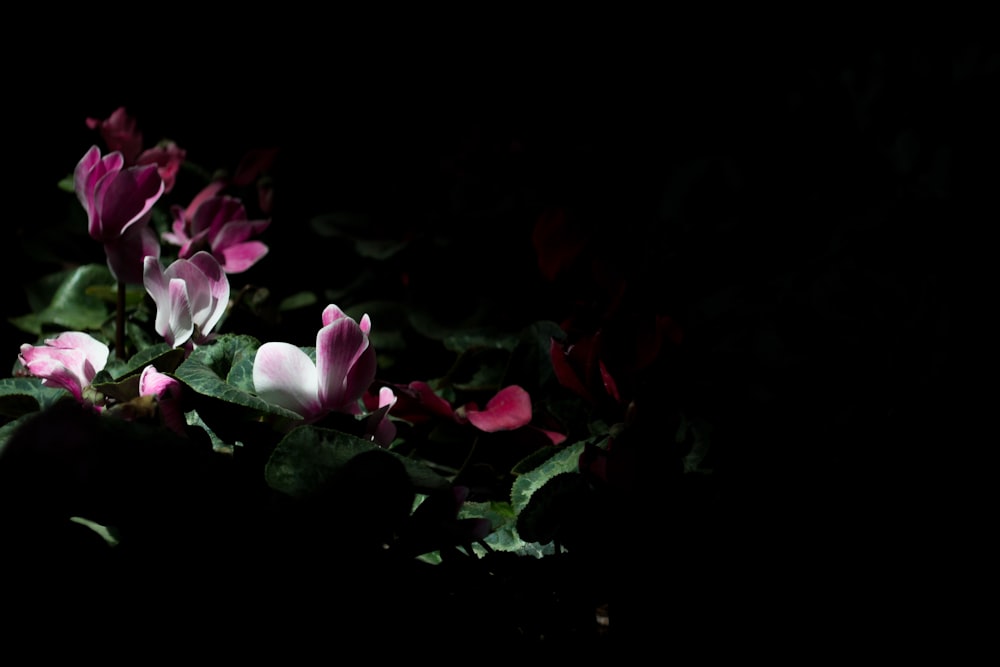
296,301
224,370
462,341
504,535
22,395
221,375
556,510
567,460
164,358
309,456
74,307
10,428
126,387
533,460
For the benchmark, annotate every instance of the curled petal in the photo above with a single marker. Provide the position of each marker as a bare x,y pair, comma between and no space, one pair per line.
284,375
88,175
70,360
214,212
173,311
218,287
124,198
237,231
239,257
332,313
167,391
345,362
126,253
119,132
384,431
508,410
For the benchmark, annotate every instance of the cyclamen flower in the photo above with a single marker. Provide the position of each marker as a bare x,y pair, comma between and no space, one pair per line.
119,203
283,374
71,360
381,429
191,296
167,391
120,133
218,224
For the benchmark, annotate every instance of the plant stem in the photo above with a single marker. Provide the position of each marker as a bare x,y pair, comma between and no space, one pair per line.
120,323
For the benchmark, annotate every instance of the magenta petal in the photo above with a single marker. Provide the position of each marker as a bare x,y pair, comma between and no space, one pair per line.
434,403
209,191
237,231
284,375
179,325
508,410
154,383
126,253
167,391
345,362
57,368
70,360
241,256
124,198
565,373
332,313
218,285
215,212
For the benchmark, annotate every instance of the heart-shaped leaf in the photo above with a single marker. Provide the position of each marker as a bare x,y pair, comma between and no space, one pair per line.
308,457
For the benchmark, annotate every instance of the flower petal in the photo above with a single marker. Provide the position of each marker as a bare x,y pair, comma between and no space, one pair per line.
345,362
218,285
241,256
124,198
284,375
126,253
508,410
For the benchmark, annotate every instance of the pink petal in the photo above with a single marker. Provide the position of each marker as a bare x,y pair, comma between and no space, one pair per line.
124,198
57,368
70,360
95,351
215,212
610,385
126,253
241,256
508,410
332,313
284,375
167,391
179,325
218,285
385,431
209,191
237,231
565,373
345,362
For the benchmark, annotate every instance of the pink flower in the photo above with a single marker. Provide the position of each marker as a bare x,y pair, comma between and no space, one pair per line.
381,430
119,202
191,296
284,375
167,391
70,360
120,133
218,224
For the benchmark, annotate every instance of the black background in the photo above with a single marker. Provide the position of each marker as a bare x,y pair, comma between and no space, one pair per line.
828,262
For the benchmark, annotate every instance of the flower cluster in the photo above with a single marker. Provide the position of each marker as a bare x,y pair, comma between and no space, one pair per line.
509,450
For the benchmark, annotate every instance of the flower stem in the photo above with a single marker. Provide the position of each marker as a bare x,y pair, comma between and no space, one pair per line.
120,322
